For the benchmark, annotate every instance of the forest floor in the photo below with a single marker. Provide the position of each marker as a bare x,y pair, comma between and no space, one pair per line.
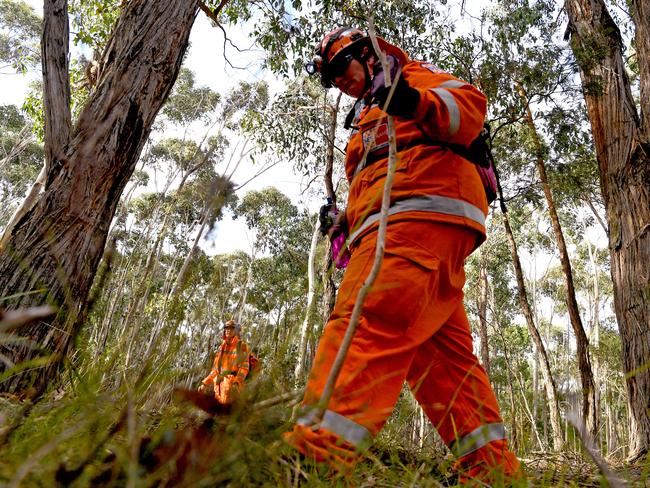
85,439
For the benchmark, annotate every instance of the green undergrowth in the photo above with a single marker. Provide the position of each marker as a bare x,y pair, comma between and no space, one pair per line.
105,439
106,425
83,438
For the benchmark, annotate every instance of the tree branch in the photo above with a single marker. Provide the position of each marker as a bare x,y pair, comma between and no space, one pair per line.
213,14
56,80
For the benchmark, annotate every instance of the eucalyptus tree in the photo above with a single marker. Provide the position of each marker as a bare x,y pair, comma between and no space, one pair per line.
56,248
19,34
621,129
524,68
225,291
283,232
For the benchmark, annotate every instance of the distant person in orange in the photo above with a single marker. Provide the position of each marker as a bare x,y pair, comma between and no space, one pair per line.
230,367
413,326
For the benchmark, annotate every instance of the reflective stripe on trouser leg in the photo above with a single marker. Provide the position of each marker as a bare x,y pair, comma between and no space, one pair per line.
346,429
455,393
476,439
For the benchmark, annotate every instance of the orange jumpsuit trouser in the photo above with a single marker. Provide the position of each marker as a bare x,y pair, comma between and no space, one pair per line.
413,327
223,390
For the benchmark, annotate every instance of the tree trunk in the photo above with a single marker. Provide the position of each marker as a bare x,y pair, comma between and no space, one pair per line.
309,310
56,81
514,436
594,333
589,415
329,150
327,269
482,315
622,140
56,248
549,382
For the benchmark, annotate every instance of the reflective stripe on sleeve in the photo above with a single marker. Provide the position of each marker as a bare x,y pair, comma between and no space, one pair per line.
452,107
429,203
346,429
477,438
451,84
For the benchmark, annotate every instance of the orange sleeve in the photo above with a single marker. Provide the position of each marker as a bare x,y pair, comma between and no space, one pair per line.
450,109
208,380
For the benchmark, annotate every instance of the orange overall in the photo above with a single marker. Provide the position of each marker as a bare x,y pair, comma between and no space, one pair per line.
413,326
229,369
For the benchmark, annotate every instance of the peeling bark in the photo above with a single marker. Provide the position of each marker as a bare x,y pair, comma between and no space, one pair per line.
58,245
56,79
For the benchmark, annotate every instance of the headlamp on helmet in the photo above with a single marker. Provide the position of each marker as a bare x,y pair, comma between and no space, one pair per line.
314,66
334,54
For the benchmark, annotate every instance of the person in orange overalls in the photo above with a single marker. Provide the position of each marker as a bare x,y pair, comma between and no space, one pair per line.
413,326
230,367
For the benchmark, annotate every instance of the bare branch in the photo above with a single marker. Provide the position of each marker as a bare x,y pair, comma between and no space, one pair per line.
379,251
22,140
27,204
213,14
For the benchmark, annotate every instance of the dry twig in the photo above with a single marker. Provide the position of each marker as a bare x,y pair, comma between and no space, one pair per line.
379,252
12,319
612,479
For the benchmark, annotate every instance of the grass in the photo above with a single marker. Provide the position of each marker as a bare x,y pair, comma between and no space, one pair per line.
63,433
106,426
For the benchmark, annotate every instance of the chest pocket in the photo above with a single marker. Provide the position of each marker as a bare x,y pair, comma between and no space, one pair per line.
374,137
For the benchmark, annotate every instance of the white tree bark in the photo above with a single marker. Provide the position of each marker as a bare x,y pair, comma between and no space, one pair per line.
311,292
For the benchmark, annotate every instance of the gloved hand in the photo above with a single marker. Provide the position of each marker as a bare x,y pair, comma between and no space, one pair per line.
326,217
340,253
335,225
404,101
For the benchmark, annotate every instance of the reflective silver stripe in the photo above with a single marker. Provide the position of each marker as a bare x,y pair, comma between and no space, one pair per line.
451,84
452,107
346,429
429,203
308,416
477,438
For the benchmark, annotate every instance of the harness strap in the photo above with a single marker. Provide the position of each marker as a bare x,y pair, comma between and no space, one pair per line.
427,203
